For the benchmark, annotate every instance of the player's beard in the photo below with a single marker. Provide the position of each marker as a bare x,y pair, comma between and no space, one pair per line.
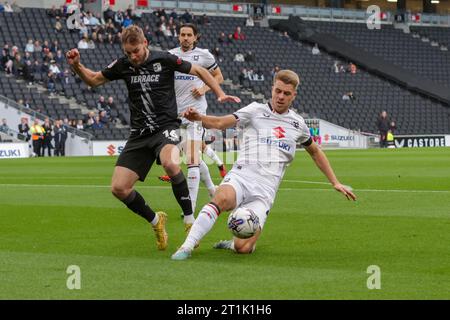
147,52
186,46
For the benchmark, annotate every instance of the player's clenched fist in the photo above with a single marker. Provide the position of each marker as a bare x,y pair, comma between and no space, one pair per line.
192,114
73,56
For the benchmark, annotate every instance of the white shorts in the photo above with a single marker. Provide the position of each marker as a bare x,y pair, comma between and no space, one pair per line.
251,192
192,131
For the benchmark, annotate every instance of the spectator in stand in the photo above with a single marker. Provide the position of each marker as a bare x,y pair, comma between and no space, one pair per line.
242,76
52,12
274,71
127,21
58,25
46,46
8,7
315,50
6,62
352,68
47,140
51,82
83,43
249,57
101,104
249,22
91,44
239,57
217,54
80,125
203,20
55,69
111,104
60,136
4,126
89,116
30,46
97,123
238,34
59,57
118,19
349,96
103,117
187,17
55,47
222,39
383,128
230,39
108,14
174,15
24,129
336,67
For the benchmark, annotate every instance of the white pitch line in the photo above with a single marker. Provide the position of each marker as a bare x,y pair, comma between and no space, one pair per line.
167,187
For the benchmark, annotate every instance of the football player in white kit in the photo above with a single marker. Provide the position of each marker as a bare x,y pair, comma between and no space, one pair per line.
270,134
190,92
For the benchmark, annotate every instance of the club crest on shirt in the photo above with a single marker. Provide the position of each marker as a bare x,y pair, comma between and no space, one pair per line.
196,58
157,67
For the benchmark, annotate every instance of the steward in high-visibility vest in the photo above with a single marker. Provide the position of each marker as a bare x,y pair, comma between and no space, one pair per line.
390,139
37,135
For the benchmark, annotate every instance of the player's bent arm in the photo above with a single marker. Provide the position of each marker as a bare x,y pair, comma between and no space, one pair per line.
322,162
207,78
91,78
217,75
223,122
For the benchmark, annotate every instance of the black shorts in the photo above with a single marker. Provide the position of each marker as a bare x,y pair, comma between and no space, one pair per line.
142,150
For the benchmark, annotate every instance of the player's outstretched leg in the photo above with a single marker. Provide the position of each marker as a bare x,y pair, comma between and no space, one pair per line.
225,198
202,225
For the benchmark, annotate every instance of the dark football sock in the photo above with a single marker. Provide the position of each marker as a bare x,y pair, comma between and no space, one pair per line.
136,203
181,191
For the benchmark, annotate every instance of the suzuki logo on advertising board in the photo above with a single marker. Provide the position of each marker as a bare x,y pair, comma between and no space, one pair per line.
111,150
335,137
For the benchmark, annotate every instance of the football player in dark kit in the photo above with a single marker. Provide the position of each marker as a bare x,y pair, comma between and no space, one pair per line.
149,77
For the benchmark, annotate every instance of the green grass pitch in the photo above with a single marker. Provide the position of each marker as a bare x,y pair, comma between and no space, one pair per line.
57,212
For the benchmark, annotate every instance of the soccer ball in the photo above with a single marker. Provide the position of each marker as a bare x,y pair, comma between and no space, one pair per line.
243,223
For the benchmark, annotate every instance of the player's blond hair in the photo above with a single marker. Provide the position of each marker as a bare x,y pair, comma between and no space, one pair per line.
288,77
132,35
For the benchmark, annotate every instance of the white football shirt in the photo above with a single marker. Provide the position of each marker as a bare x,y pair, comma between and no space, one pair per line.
269,140
184,83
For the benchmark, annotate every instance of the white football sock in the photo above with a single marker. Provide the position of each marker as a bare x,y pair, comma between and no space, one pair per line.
193,182
155,220
210,153
205,177
202,225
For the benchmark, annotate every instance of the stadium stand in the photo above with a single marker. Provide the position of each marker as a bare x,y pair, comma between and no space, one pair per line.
320,93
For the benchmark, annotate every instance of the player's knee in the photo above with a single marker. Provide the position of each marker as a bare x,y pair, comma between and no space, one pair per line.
170,167
120,191
222,201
